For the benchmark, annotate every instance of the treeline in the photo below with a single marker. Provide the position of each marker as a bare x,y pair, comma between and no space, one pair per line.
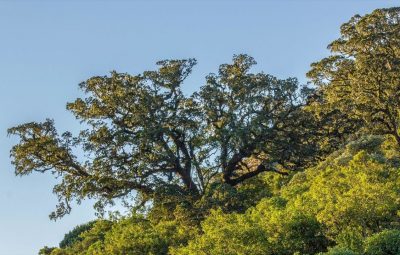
249,164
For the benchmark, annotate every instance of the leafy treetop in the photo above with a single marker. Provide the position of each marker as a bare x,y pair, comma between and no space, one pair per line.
142,133
362,76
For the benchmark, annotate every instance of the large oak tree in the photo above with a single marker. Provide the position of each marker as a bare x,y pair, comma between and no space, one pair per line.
142,136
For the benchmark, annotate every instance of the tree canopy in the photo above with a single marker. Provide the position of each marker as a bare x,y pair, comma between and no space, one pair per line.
142,133
362,76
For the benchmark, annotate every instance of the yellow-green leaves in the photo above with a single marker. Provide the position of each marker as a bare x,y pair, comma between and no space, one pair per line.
362,76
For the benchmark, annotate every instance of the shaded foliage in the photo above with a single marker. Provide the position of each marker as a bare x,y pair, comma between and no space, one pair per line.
362,76
145,138
383,243
74,235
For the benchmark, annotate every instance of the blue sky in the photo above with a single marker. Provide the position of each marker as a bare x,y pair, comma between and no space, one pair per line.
48,47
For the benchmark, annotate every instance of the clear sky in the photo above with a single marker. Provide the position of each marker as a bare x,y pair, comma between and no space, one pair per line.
48,47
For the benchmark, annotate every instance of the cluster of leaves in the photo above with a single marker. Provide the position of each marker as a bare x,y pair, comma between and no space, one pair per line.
130,235
74,235
361,77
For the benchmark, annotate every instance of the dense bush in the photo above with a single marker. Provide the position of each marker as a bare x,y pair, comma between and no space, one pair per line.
351,195
74,235
384,243
340,251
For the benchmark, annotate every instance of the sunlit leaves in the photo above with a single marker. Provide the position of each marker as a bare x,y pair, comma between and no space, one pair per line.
362,76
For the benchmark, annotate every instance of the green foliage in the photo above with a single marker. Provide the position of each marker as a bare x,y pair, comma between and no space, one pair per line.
74,235
340,251
267,229
351,238
88,241
129,236
361,78
46,250
354,189
348,197
383,243
91,240
343,201
227,234
143,137
140,236
220,195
